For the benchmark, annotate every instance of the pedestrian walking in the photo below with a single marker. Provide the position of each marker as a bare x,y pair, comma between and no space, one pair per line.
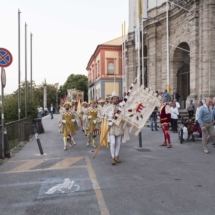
171,98
40,111
174,118
165,116
199,105
153,119
68,123
177,103
52,110
91,120
205,119
116,134
176,95
45,111
190,109
166,95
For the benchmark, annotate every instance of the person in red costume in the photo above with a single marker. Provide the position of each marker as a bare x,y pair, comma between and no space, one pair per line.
165,116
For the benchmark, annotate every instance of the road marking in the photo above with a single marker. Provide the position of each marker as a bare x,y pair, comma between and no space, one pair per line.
37,170
27,165
67,184
66,163
46,159
102,205
30,164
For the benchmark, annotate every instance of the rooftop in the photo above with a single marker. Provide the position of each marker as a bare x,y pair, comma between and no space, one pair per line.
115,42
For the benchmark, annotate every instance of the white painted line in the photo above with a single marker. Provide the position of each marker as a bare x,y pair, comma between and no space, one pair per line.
40,154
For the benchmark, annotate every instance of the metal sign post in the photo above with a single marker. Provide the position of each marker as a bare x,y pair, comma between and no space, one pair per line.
5,61
2,114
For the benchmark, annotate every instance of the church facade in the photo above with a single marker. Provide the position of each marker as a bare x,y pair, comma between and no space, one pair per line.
191,48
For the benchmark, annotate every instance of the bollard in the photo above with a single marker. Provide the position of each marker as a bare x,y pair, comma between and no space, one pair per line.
38,140
39,125
140,140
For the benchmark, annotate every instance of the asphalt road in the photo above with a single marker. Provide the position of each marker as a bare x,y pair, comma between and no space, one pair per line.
152,181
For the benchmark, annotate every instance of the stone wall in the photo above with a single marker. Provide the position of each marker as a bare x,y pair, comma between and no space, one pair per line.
194,30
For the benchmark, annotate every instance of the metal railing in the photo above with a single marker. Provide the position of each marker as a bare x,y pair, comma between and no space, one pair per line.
17,132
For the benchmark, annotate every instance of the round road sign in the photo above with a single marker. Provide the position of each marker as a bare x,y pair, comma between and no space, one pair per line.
5,58
3,78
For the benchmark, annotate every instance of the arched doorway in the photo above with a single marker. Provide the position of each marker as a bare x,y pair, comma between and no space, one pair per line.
181,66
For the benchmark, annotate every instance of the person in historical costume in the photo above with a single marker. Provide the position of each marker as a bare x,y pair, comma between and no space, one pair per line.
83,114
91,119
102,107
68,123
116,134
165,117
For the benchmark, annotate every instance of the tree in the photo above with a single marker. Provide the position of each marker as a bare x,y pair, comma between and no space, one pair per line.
11,101
79,82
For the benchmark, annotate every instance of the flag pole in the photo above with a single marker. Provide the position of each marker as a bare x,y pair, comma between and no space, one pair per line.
123,74
19,64
167,45
99,146
143,67
124,59
26,89
31,91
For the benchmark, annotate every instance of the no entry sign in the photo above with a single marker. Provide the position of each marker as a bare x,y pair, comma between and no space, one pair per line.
5,58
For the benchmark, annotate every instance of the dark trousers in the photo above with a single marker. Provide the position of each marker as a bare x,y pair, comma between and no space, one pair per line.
174,124
153,119
191,112
51,114
199,128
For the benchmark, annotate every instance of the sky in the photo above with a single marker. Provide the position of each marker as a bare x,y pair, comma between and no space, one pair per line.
65,35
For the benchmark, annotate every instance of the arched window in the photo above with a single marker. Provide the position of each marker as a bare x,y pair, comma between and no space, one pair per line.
111,68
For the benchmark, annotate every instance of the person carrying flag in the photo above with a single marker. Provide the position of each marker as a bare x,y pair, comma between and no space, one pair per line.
116,133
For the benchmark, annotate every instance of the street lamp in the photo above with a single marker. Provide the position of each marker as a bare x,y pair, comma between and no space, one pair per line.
56,86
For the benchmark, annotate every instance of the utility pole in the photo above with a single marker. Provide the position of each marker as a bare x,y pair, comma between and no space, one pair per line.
26,87
31,91
19,65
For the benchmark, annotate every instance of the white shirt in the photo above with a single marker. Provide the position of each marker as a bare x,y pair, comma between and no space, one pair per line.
174,113
177,105
51,109
197,113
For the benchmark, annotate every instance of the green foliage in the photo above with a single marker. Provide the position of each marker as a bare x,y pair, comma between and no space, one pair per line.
11,101
79,82
11,108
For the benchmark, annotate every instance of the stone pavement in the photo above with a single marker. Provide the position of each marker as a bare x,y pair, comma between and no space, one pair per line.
153,181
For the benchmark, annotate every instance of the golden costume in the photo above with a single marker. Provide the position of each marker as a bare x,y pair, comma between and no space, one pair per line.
91,120
68,123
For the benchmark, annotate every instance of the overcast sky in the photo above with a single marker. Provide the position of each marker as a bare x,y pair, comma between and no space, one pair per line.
65,35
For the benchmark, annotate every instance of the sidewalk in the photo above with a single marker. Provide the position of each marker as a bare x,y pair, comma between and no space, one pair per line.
152,181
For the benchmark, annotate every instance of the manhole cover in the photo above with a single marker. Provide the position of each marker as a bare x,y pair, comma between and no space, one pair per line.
143,150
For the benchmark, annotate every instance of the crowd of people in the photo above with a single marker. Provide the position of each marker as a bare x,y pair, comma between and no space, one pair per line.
45,111
201,120
95,118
